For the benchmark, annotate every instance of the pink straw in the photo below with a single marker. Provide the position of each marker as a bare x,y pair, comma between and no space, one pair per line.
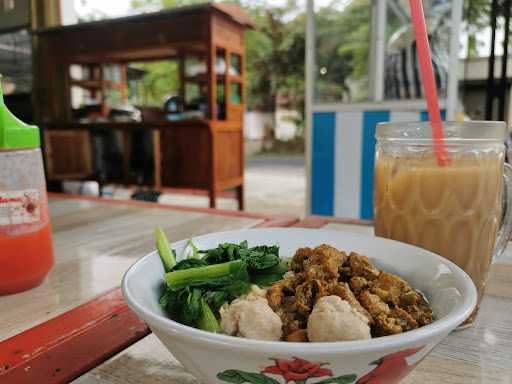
429,84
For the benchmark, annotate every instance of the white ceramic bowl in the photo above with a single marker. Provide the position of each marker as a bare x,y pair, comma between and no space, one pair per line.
216,358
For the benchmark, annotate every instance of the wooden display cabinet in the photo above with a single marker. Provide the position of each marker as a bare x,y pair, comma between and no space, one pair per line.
200,153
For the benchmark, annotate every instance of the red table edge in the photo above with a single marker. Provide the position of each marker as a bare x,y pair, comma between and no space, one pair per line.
63,348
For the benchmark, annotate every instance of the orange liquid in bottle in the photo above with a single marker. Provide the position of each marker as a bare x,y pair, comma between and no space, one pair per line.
25,260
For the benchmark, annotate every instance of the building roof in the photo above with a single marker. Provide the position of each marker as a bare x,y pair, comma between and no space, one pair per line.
232,11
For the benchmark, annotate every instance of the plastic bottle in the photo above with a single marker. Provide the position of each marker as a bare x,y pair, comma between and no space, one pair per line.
26,251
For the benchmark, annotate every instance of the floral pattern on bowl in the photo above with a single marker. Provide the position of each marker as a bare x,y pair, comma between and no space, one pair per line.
389,369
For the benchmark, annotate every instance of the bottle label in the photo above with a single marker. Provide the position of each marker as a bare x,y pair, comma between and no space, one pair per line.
19,207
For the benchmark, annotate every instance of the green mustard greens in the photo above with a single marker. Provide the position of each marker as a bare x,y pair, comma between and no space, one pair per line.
196,287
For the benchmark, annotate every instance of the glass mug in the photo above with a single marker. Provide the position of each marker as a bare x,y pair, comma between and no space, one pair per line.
457,211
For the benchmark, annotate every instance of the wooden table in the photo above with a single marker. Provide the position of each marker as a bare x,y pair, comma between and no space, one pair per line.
480,354
77,318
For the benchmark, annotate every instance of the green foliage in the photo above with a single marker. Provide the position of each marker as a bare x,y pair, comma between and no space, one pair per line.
156,5
275,55
476,15
275,51
343,49
160,81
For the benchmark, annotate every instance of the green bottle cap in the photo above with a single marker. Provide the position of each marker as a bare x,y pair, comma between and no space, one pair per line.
14,133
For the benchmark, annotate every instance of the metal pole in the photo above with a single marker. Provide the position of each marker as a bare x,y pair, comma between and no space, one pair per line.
453,80
378,51
490,74
309,93
504,62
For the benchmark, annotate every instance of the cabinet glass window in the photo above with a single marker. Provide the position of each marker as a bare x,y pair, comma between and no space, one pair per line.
221,101
220,62
236,93
235,67
194,66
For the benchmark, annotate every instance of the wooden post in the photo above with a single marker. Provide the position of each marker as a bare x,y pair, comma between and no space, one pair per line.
157,160
126,156
211,54
227,91
124,82
309,93
181,69
240,190
45,13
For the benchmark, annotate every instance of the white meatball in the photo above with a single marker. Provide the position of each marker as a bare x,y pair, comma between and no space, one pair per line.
251,318
334,319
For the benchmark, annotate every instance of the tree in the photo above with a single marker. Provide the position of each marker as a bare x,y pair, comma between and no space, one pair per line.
275,57
161,79
156,5
476,15
343,50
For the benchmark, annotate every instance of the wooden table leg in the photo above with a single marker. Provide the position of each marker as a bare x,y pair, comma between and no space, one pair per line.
213,198
240,197
157,159
126,156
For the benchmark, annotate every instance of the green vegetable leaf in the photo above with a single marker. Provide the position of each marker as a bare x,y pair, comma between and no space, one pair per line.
236,288
191,312
230,250
269,276
239,377
216,299
266,280
198,286
167,254
189,263
226,294
209,276
345,379
195,251
207,321
257,258
165,299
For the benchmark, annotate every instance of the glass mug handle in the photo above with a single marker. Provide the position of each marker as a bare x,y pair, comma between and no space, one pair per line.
506,224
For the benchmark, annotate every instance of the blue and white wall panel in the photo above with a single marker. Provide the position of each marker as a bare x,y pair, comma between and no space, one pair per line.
342,160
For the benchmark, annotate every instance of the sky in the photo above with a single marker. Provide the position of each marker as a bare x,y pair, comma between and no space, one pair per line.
116,8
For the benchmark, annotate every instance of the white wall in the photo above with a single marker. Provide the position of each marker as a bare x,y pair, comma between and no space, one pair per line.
286,128
255,122
68,13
